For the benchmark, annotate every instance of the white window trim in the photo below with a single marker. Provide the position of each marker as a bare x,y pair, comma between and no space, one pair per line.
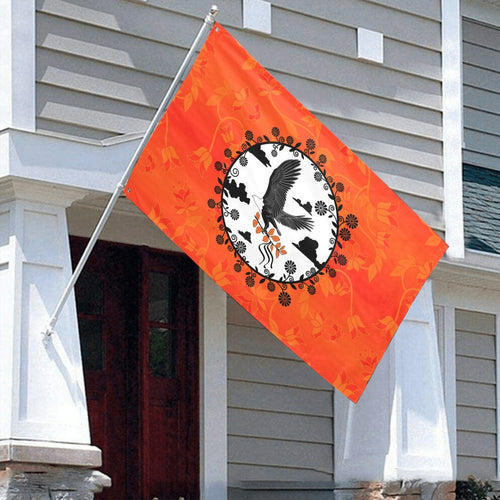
452,126
213,390
497,363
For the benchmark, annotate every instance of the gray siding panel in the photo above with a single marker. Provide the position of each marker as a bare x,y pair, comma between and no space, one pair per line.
273,371
480,467
257,472
396,24
70,107
481,73
476,394
468,344
478,420
480,34
280,412
122,84
280,399
424,8
327,99
280,426
280,453
474,444
118,49
475,98
475,322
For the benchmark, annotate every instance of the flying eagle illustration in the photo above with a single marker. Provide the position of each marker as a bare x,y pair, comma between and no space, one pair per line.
280,182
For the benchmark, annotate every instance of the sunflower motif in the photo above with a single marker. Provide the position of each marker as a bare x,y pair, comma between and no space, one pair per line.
290,267
285,299
352,221
320,207
240,247
345,234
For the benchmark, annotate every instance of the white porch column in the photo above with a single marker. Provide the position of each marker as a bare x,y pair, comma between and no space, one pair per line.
398,430
213,390
43,415
17,64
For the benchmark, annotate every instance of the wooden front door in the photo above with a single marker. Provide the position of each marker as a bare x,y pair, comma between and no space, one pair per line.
137,313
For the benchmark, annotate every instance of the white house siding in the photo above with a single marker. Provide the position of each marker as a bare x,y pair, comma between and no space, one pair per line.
103,67
476,394
280,412
481,70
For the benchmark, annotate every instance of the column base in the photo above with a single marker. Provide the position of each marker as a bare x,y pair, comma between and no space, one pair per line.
47,470
23,481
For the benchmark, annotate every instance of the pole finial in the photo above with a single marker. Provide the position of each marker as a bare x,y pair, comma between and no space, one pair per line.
214,10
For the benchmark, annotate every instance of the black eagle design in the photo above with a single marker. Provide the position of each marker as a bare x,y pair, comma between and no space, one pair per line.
280,182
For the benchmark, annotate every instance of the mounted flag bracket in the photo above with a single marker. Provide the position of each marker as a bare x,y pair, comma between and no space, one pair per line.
181,73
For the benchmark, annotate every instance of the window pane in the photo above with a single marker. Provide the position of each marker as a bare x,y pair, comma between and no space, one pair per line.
89,296
91,344
162,348
160,298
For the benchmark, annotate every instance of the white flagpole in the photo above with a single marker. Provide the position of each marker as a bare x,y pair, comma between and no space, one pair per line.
186,64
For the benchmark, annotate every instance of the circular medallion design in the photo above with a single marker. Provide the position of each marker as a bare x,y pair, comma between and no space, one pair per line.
279,212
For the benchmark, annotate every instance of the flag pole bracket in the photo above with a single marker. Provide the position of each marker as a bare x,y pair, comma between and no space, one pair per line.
181,72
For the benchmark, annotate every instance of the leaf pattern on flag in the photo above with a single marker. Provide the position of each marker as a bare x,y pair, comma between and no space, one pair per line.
220,274
202,157
155,215
386,212
342,323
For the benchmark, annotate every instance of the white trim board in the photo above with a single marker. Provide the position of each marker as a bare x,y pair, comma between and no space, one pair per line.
81,164
17,64
451,30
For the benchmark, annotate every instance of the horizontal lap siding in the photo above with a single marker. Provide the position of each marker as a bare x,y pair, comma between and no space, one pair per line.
103,67
481,70
280,412
476,394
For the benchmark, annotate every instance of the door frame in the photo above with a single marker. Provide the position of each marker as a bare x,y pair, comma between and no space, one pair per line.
206,455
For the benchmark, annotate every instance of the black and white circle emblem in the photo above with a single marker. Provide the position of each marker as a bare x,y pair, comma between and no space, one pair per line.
279,212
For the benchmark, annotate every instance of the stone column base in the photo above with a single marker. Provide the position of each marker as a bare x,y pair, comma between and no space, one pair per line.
396,490
27,481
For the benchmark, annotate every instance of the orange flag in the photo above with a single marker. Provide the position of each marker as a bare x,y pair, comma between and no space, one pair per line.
283,216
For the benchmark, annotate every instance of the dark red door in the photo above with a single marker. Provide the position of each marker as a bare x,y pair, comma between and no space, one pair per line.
137,311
